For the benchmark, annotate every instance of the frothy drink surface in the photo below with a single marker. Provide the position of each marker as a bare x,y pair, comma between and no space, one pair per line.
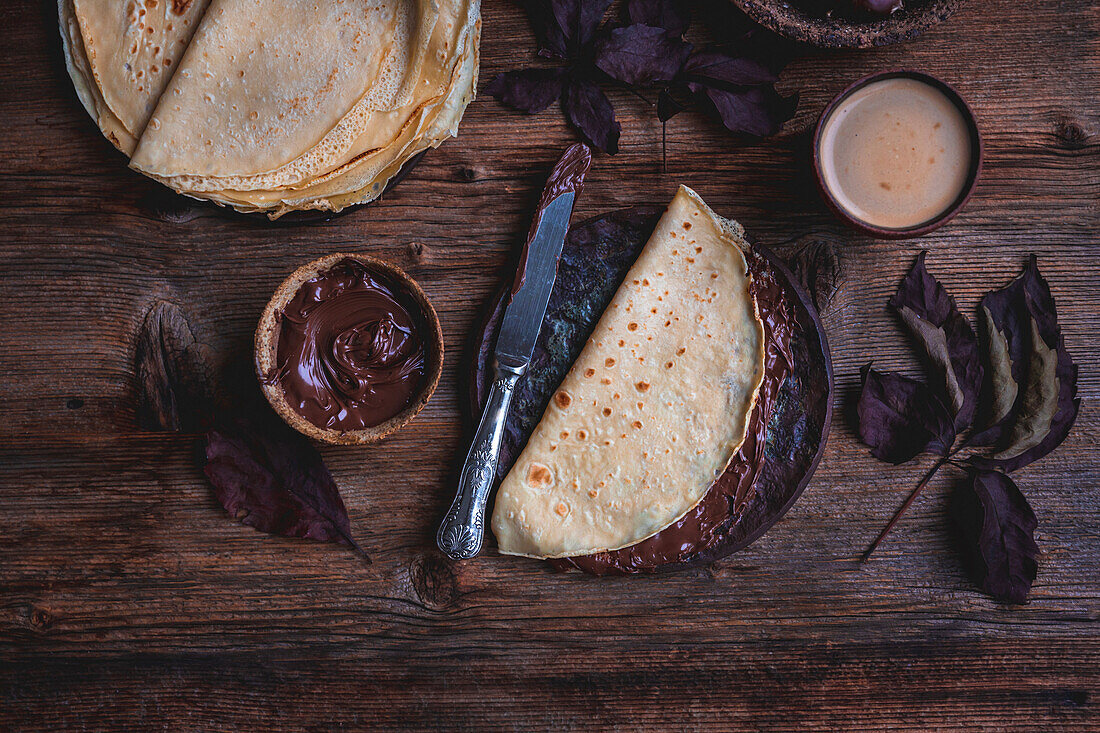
896,153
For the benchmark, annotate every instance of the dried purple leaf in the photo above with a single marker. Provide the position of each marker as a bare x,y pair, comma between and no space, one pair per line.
716,69
641,54
1031,368
948,340
174,373
672,15
758,111
528,90
900,417
997,531
271,478
588,109
1008,336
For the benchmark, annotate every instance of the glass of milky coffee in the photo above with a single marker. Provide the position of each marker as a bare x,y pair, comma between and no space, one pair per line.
897,154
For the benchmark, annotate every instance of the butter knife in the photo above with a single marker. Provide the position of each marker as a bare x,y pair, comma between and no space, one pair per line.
460,535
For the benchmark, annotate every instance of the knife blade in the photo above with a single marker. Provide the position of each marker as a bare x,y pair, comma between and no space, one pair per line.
523,317
460,534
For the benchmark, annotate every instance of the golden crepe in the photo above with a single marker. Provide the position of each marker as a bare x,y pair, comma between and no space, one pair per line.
278,105
656,405
121,55
262,81
428,118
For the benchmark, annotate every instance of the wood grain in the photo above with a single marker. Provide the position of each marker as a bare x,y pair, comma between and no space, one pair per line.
128,600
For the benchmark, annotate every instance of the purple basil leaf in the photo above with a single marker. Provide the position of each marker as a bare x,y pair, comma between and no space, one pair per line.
271,478
759,111
997,531
672,15
578,20
1030,365
528,90
900,417
549,35
641,54
716,69
949,341
588,109
738,36
667,106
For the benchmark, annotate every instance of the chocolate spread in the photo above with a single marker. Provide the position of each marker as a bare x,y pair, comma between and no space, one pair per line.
568,175
350,354
721,507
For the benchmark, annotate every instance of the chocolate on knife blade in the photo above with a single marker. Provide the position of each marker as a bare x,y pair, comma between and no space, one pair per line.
567,176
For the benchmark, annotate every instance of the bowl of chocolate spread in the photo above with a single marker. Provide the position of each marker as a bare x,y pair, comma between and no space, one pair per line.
348,349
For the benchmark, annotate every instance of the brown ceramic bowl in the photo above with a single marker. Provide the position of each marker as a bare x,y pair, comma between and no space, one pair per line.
932,224
819,23
267,345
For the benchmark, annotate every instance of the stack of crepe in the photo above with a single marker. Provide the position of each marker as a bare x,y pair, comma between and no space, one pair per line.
273,105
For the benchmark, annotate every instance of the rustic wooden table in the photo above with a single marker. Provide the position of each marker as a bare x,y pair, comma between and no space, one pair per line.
128,599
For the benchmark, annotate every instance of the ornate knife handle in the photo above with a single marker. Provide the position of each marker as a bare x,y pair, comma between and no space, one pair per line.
461,532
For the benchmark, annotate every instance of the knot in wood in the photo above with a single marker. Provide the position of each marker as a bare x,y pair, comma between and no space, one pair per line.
815,261
30,617
417,252
40,619
434,581
1070,134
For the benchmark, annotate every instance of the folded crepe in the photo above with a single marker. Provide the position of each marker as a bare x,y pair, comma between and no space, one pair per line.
656,405
121,55
389,137
278,105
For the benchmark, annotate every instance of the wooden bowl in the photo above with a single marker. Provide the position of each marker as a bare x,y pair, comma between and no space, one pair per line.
976,157
810,21
267,346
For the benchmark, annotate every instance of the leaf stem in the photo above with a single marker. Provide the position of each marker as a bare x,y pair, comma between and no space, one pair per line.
664,146
904,507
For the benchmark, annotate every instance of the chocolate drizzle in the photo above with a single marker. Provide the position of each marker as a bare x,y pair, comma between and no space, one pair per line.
722,506
350,353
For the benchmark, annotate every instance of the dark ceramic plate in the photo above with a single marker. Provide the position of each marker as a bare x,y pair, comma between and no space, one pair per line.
822,23
594,261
